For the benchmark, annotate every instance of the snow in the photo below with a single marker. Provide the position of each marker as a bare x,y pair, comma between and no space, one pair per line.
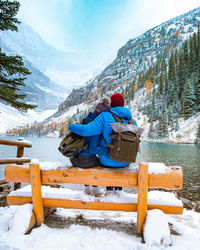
156,229
34,161
154,197
157,168
47,165
83,237
12,118
20,221
154,167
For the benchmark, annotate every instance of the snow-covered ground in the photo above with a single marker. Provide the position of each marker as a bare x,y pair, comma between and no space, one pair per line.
13,221
11,118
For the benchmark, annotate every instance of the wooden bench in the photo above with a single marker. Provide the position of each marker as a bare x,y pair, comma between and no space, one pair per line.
172,179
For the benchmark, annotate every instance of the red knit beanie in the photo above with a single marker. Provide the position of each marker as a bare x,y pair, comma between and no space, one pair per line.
116,100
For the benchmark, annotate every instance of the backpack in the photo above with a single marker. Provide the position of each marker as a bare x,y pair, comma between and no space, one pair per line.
72,144
125,140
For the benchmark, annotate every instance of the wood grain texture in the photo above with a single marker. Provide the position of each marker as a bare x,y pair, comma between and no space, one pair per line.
129,207
142,195
99,176
15,143
36,193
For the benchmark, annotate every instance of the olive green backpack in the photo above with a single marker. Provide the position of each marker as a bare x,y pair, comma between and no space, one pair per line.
72,144
125,140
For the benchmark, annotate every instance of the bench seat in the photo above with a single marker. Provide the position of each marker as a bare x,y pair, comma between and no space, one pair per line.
63,197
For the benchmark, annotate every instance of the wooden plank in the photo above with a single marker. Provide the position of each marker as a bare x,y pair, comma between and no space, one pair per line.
17,173
92,176
14,160
172,179
36,193
72,204
142,195
97,176
15,143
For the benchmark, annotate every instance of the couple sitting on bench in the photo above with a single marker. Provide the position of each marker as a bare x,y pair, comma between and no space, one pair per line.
100,134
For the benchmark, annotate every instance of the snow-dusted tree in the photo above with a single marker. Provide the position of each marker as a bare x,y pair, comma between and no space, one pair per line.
185,59
152,131
170,115
153,112
181,74
197,85
189,100
177,127
171,68
165,121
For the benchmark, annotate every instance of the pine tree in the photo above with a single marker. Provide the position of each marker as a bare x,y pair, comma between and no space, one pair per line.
165,121
181,74
7,15
185,59
191,57
170,115
152,130
197,85
160,125
172,69
12,70
188,102
177,127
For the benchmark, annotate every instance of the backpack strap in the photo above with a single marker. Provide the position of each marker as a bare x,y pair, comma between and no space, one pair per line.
116,117
131,121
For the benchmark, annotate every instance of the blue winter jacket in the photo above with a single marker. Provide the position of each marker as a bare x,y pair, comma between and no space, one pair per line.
90,140
101,126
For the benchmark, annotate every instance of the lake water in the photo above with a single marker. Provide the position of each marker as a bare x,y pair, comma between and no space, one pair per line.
187,156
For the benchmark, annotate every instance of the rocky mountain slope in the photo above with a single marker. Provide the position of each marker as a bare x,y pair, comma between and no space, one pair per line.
135,57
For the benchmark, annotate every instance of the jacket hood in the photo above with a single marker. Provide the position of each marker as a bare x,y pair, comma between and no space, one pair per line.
122,112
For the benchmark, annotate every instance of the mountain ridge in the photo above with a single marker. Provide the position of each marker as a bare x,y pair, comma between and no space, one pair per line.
119,72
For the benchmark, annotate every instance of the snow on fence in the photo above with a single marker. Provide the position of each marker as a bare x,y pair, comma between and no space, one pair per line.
43,197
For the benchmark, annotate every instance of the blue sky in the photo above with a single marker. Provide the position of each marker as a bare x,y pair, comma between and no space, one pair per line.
98,28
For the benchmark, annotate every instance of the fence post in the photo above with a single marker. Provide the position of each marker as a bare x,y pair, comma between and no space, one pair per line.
20,154
142,195
36,192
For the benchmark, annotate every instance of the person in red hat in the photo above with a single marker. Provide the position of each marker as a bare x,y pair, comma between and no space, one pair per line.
86,158
102,126
116,99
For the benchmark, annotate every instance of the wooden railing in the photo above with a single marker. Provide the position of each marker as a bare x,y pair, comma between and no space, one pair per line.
20,144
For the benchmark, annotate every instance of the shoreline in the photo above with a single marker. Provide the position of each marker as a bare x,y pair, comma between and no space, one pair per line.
166,140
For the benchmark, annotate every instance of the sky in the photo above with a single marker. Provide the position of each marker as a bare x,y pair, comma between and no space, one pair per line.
98,28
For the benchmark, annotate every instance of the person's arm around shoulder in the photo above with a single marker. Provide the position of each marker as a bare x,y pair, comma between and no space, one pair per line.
90,129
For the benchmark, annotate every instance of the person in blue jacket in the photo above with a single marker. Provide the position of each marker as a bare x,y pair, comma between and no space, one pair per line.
87,158
101,126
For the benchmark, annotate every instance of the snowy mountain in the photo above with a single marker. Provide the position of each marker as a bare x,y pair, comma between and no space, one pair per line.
136,56
138,72
64,68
